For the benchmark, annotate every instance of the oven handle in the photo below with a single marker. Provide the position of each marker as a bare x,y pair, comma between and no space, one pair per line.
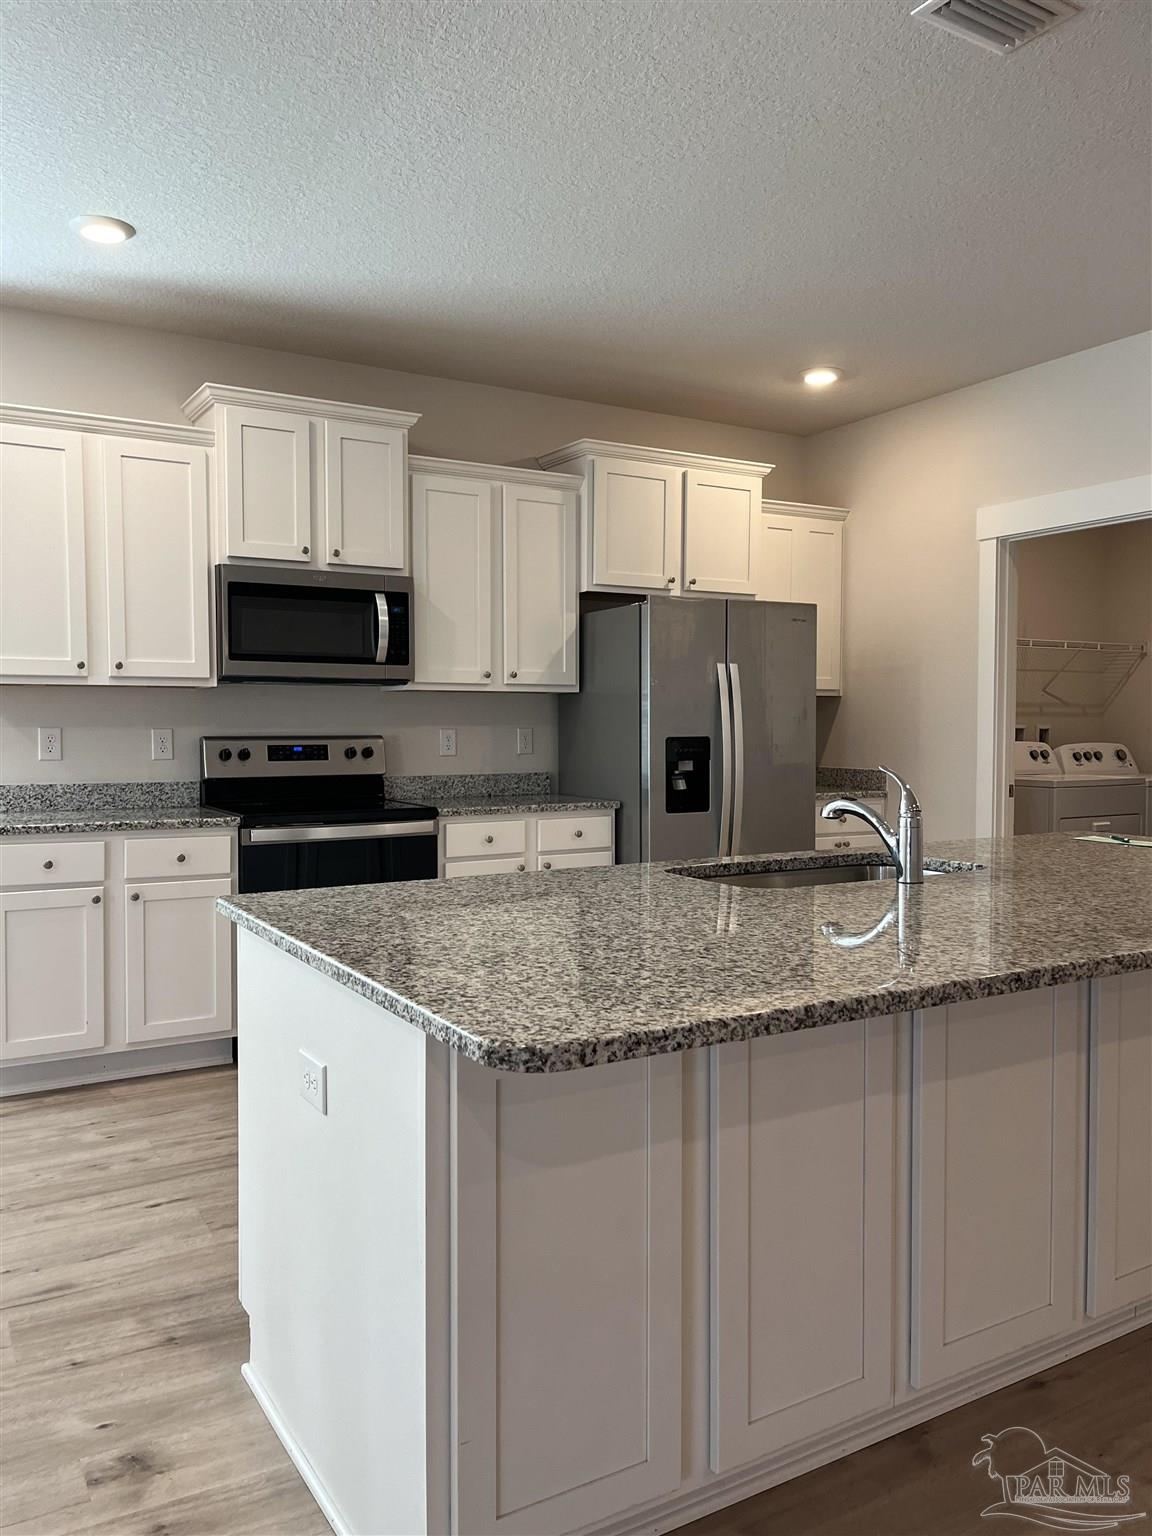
373,829
382,627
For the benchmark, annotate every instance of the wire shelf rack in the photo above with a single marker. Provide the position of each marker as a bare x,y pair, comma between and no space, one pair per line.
1077,676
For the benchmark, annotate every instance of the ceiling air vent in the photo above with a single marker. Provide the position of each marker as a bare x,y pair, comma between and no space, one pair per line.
999,25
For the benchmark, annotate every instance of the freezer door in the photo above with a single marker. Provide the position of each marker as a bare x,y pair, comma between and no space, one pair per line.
772,663
684,672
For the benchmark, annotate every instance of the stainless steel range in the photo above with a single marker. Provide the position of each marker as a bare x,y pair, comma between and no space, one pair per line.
314,812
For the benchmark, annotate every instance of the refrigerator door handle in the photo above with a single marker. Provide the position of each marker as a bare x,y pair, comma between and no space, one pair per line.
726,761
737,758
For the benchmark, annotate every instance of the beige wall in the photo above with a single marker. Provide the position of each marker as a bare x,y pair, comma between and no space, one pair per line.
1090,585
914,479
120,370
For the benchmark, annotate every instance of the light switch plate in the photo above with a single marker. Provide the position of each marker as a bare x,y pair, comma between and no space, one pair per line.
314,1082
524,747
50,743
448,743
162,745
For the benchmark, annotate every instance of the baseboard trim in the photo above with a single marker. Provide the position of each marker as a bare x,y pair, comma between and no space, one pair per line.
18,1078
307,1471
721,1492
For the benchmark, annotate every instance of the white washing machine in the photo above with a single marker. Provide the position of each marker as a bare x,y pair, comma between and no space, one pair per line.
1084,786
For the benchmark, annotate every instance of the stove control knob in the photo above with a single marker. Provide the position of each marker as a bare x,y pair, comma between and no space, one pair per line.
368,752
349,752
244,754
1034,755
225,754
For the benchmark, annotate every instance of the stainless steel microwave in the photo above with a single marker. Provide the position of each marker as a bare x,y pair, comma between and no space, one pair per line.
278,625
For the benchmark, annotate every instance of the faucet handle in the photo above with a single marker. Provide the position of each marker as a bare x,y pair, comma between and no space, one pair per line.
909,805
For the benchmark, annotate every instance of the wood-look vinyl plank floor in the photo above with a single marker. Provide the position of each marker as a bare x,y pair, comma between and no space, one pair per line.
122,1410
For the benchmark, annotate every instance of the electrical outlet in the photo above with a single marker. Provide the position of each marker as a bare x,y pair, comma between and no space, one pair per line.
448,743
162,745
524,746
314,1082
50,743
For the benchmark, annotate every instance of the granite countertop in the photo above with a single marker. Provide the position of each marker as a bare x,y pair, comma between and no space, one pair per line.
518,805
597,965
49,823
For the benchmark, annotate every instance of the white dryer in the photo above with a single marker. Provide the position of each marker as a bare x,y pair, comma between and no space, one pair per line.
1084,786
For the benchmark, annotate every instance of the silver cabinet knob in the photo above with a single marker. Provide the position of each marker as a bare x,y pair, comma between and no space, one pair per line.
181,858
119,666
79,666
671,582
95,901
521,868
49,863
335,554
135,895
304,549
487,674
692,582
578,833
489,838
547,863
512,674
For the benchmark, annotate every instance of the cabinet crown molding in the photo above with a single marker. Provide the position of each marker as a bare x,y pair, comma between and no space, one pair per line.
806,509
513,474
104,426
209,395
592,448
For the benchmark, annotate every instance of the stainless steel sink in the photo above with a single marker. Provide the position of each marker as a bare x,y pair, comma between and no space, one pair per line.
810,874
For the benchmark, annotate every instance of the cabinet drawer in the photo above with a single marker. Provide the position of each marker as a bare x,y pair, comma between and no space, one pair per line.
558,834
1120,826
51,863
851,825
478,839
485,867
146,857
588,860
840,841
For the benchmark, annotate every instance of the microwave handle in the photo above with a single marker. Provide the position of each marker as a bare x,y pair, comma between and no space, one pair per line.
381,627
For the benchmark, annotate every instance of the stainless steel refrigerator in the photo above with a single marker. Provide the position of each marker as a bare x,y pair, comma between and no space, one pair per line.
699,716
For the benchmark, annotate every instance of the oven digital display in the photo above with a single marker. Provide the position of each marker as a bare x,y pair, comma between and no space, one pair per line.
311,752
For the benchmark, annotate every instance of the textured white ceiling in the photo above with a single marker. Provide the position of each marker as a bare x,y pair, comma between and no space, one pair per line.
672,204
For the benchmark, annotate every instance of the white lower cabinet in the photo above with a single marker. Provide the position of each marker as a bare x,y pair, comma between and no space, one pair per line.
996,1131
567,1370
517,845
1120,1144
803,1222
52,963
178,961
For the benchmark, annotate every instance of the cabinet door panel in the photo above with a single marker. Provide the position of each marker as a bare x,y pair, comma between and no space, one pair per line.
593,859
774,581
365,505
156,517
461,869
52,965
817,579
267,484
803,1264
994,1185
452,574
540,587
569,1216
178,961
720,513
637,511
1120,1144
43,612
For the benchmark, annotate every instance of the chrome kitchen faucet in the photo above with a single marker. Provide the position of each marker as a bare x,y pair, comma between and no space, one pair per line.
906,844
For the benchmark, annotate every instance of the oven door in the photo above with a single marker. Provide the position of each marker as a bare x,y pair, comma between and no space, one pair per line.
313,626
303,858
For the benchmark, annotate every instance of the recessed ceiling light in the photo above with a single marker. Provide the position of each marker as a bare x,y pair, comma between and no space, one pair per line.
820,378
101,229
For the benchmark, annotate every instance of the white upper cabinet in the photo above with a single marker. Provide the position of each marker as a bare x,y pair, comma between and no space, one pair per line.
799,558
365,504
156,522
265,460
540,602
720,513
495,578
318,482
453,530
43,611
656,520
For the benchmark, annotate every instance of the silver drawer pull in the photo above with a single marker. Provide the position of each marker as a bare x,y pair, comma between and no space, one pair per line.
578,832
95,901
489,838
135,895
181,858
520,867
547,863
49,863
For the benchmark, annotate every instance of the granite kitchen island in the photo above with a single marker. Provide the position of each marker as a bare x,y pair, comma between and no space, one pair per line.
594,1201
